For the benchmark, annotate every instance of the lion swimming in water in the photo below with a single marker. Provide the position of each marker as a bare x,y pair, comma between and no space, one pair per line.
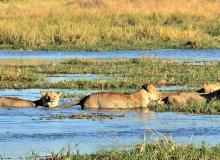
184,98
110,100
48,99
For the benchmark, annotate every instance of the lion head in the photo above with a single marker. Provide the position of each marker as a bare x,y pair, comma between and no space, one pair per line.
154,93
208,88
50,99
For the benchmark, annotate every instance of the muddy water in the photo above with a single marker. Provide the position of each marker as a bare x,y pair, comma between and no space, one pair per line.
47,57
23,130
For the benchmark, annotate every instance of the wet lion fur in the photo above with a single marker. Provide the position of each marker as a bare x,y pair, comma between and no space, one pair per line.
112,100
48,99
184,98
208,88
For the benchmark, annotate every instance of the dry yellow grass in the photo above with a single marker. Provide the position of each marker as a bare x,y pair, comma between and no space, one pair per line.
39,23
67,8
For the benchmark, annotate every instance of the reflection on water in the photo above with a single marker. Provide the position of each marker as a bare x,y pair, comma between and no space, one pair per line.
63,77
22,130
47,57
176,88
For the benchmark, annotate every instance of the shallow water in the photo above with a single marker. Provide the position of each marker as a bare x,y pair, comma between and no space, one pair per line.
46,57
63,77
163,53
22,130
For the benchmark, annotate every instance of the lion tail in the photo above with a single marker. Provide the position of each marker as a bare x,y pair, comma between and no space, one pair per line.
73,103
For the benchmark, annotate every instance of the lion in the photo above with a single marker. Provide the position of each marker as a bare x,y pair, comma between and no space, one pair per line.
110,100
184,98
208,88
48,99
215,95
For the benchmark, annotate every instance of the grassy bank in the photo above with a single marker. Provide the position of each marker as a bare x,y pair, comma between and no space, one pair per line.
123,73
160,150
109,24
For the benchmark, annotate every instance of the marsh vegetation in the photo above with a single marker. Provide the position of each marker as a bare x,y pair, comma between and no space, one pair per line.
132,73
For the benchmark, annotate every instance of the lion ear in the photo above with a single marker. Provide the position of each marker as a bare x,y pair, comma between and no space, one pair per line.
43,93
140,85
150,87
145,86
59,93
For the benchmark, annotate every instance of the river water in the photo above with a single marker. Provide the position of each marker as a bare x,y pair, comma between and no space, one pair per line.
24,130
39,57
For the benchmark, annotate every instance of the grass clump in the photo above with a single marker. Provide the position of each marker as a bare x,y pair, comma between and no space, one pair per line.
150,151
109,24
212,107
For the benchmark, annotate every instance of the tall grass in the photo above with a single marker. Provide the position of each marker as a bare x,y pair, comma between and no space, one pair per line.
109,24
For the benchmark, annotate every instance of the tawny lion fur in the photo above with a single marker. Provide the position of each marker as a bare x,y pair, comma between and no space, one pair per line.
48,99
184,98
111,100
208,88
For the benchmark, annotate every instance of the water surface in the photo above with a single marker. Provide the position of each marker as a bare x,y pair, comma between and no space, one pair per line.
23,130
63,77
163,53
47,57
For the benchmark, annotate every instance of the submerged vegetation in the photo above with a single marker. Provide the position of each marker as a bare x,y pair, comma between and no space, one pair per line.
109,24
91,116
160,150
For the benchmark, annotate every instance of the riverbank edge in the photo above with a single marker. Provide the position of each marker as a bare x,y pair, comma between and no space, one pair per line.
110,46
161,149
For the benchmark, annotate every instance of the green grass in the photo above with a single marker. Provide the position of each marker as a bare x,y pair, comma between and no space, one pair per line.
160,150
212,107
125,73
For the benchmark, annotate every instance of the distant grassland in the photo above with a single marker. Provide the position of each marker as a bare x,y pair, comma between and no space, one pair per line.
109,24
